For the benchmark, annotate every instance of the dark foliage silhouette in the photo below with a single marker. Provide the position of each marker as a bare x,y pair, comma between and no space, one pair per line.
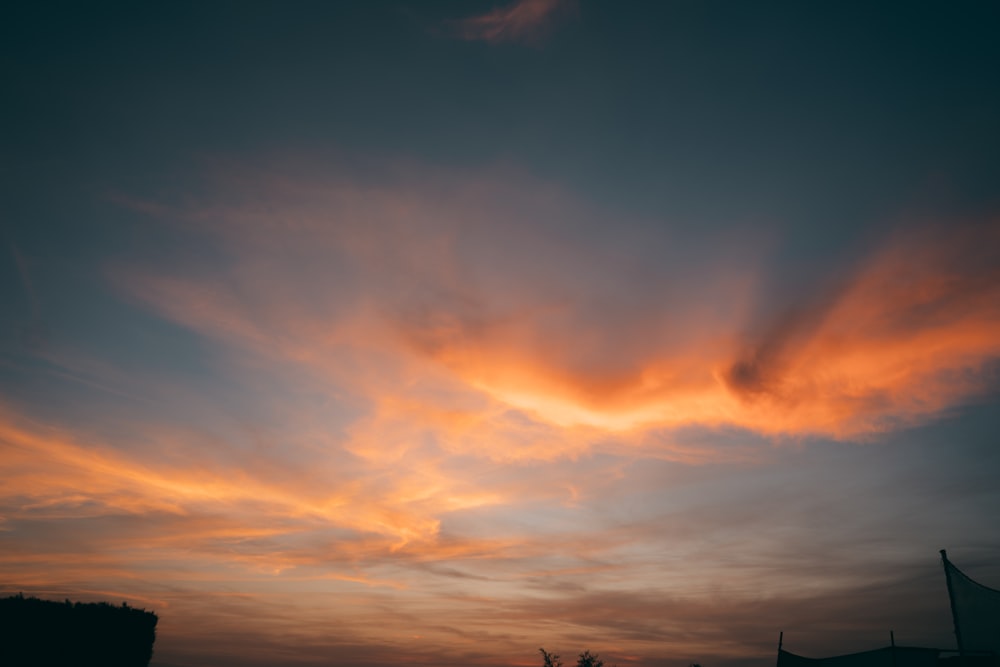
550,659
42,633
586,659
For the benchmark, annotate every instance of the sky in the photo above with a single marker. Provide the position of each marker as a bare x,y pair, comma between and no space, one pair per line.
385,332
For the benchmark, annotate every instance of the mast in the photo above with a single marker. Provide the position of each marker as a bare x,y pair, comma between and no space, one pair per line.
951,599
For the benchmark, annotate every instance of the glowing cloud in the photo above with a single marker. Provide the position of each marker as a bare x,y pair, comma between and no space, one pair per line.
912,333
460,316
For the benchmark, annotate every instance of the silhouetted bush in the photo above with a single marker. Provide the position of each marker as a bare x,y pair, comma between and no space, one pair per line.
42,633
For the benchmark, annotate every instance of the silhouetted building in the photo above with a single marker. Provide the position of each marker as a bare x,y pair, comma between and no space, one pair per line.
894,656
42,633
891,656
975,613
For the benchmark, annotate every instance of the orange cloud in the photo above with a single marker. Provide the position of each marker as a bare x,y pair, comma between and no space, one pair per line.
47,474
913,333
460,320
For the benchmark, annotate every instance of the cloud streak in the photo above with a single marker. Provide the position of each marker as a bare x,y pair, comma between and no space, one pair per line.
910,334
423,298
522,20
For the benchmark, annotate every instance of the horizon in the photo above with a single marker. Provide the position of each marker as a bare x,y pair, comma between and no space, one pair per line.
381,332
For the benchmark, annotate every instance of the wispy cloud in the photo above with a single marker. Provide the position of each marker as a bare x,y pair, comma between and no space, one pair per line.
456,304
464,409
908,335
521,20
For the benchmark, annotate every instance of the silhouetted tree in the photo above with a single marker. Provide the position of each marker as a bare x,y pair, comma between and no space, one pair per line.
550,659
588,659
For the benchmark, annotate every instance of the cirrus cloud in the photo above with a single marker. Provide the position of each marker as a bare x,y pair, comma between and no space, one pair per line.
501,317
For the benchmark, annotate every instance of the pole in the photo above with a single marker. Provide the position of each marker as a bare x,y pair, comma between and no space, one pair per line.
892,648
781,638
951,599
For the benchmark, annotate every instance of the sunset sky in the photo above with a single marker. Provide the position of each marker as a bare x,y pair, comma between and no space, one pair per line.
429,332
